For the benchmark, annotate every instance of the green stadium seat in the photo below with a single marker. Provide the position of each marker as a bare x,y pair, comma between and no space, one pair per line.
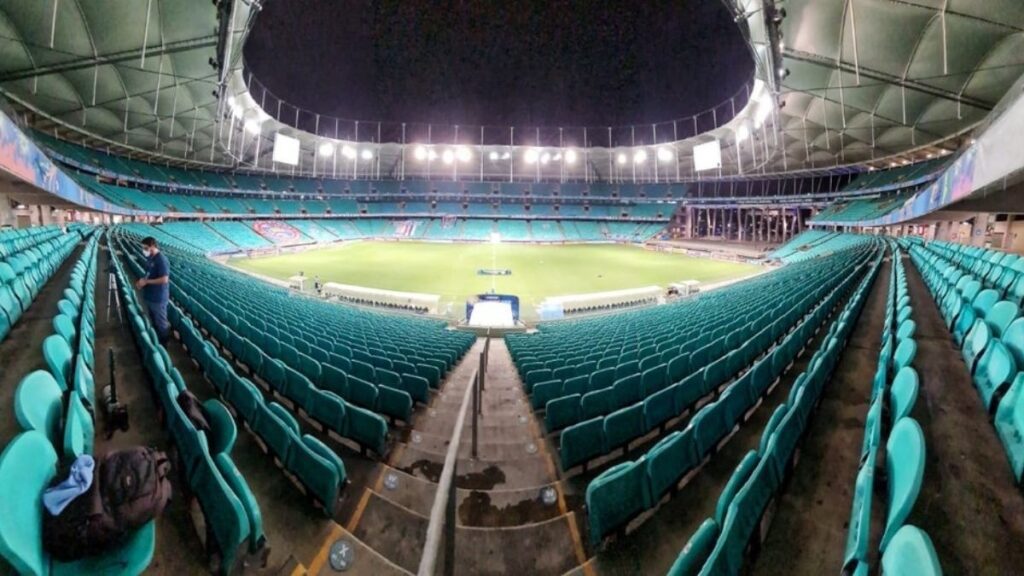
79,431
275,433
243,396
709,427
736,481
627,390
601,379
688,391
654,379
241,490
598,403
27,466
361,392
904,355
905,461
859,535
319,470
669,460
562,412
38,405
582,442
225,517
1009,423
615,496
545,391
911,553
697,549
623,426
329,410
903,393
366,428
335,380
993,374
659,408
63,326
57,354
576,385
395,403
223,431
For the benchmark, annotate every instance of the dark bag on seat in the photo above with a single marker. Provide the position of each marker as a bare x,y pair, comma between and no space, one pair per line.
193,408
129,488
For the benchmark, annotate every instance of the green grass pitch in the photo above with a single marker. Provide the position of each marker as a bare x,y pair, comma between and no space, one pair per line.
538,271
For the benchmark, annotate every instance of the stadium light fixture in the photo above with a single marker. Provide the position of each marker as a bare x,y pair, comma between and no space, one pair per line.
621,158
493,156
545,158
742,133
463,154
367,154
665,154
506,155
570,156
419,153
252,126
348,152
448,156
432,155
640,156
531,156
327,149
557,157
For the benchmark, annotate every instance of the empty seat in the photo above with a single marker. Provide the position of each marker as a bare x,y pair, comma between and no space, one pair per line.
223,431
696,551
669,460
615,496
903,393
563,412
582,442
623,426
911,553
904,463
319,469
994,372
37,405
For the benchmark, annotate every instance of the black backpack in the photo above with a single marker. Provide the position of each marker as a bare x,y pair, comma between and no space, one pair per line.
129,488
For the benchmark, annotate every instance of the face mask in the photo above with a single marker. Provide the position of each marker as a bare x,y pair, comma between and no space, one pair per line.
147,251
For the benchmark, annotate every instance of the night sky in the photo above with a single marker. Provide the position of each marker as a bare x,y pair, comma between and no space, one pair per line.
548,63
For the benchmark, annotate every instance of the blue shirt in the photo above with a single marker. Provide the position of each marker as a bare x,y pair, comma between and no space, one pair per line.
157,267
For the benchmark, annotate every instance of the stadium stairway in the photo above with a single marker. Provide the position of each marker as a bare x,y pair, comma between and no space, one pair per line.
508,500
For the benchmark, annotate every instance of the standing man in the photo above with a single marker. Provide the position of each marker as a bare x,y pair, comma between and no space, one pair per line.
155,287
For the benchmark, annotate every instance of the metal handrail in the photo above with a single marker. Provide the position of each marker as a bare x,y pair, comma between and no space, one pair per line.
444,496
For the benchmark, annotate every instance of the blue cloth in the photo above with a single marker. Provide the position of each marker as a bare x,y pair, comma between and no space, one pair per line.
157,267
79,479
158,316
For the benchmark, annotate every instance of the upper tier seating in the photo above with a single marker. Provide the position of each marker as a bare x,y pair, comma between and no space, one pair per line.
240,234
198,234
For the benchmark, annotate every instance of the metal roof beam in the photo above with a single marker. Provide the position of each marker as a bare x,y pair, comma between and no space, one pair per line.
117,57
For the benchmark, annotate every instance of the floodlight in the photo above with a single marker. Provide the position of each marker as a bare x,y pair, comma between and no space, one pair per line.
763,110
327,149
286,149
621,158
463,154
570,156
348,152
665,154
707,156
742,133
448,156
420,153
252,126
367,154
640,156
506,155
557,157
432,154
493,156
531,155
545,158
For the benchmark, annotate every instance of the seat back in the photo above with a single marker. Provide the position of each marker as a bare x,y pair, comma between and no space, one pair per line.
903,393
57,354
37,405
911,552
26,467
904,462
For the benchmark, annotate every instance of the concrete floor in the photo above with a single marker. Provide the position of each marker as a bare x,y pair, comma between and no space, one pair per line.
968,504
808,532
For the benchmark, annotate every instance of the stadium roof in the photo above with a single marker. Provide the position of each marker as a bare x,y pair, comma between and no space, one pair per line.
861,80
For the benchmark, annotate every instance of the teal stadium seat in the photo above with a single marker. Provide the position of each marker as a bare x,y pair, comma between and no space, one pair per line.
582,442
615,496
905,460
697,549
911,553
38,405
27,467
903,393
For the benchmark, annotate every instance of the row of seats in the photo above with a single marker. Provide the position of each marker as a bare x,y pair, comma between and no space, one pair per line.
719,545
893,393
56,424
306,458
41,396
981,308
28,258
230,510
637,403
629,488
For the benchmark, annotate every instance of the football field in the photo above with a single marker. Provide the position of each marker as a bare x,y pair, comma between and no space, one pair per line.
451,270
